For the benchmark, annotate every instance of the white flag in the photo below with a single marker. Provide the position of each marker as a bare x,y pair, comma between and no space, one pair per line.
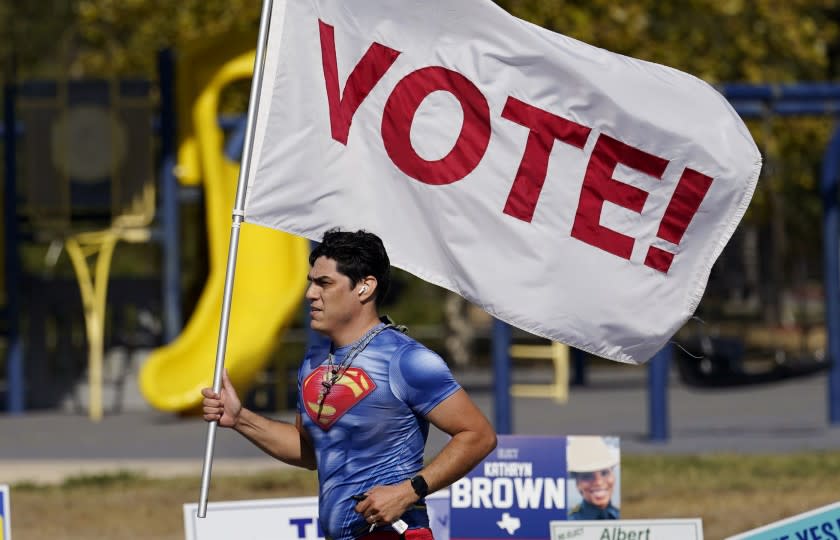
575,193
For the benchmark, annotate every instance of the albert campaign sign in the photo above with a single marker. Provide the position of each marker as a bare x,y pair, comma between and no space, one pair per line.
575,193
630,529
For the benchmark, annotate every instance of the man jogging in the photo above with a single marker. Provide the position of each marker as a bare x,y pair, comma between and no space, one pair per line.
365,402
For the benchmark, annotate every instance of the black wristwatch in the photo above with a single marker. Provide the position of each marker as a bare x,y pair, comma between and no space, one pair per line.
421,488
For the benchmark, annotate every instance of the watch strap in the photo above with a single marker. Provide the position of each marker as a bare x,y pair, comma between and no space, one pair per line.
421,488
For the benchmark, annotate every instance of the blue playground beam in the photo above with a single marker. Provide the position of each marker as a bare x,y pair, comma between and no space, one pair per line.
812,99
781,92
658,369
758,109
800,99
170,216
501,377
15,381
831,244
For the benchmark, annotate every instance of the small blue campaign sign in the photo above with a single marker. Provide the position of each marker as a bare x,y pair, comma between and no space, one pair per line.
820,524
5,514
514,493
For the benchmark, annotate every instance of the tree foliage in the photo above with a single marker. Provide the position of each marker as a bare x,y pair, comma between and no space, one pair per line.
751,41
716,40
754,41
33,34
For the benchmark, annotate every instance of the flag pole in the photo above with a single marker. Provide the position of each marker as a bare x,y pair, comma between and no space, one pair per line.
238,218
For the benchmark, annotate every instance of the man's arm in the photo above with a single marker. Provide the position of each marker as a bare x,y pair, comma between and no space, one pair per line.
286,442
472,439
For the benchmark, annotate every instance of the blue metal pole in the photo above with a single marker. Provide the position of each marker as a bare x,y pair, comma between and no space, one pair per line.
777,92
501,376
831,259
14,356
757,108
658,394
579,361
170,219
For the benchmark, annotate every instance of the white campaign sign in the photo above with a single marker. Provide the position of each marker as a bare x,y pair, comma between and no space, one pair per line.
575,193
289,519
628,529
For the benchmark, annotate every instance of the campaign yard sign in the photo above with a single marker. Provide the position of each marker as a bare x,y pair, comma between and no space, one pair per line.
630,529
294,518
523,486
5,514
514,493
820,524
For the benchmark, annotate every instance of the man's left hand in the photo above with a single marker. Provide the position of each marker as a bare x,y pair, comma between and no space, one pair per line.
384,505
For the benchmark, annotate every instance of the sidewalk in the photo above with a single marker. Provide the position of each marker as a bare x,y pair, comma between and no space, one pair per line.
788,416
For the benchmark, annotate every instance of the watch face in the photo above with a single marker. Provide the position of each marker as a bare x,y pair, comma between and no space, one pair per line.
420,486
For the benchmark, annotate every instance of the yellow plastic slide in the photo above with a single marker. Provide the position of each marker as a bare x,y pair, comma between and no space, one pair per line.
271,266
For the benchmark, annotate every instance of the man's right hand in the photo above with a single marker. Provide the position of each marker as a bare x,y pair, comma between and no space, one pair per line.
223,407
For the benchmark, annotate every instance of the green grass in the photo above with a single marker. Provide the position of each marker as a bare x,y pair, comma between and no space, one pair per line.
731,493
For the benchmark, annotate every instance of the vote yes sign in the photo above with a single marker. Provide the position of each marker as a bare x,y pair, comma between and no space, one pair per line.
576,193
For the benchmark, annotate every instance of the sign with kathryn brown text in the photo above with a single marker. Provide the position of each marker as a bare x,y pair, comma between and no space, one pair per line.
513,493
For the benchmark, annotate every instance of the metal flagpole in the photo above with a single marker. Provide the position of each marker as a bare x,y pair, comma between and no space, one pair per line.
238,218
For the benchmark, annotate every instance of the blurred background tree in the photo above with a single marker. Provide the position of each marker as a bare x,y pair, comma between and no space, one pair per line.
717,40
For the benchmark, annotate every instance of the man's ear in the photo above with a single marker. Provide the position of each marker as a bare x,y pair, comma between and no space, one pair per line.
367,287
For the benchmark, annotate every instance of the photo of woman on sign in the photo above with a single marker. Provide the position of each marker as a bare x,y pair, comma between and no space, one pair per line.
592,488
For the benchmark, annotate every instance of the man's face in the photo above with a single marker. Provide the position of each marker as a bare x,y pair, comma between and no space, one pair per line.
596,487
333,302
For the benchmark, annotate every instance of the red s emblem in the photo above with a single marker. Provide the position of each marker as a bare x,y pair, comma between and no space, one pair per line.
352,387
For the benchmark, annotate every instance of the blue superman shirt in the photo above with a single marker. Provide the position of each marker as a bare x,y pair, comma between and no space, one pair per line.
371,428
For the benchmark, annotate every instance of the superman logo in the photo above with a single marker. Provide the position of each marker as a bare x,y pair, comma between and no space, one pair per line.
352,387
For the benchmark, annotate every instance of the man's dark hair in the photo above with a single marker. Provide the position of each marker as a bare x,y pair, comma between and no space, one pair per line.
357,255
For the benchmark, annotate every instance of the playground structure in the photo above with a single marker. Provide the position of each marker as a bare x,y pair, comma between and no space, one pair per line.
272,265
89,142
84,192
272,268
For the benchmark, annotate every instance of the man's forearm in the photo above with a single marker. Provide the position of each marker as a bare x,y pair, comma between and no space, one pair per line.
458,457
464,451
280,440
